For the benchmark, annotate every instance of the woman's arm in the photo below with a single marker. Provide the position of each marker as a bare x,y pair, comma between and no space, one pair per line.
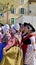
33,42
9,45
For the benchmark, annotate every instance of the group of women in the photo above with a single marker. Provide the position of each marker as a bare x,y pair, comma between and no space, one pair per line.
17,44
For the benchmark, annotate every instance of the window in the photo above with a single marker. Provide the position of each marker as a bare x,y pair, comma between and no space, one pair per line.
29,11
21,10
21,1
29,2
13,20
13,10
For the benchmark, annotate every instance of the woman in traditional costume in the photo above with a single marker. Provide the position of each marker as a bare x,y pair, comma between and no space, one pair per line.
12,53
28,46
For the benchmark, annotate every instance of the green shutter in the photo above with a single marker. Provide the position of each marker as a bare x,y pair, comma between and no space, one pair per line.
12,20
21,1
24,11
20,11
14,10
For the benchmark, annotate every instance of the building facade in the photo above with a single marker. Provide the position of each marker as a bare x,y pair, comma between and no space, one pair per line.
32,7
19,8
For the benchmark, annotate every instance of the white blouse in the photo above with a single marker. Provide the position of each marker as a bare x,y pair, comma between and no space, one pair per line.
33,41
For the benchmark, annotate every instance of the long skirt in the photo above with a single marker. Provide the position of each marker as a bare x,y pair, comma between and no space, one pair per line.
14,56
30,57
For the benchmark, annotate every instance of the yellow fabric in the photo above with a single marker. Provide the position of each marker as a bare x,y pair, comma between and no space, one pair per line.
14,56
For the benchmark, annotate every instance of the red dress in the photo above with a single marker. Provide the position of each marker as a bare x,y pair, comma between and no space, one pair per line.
24,46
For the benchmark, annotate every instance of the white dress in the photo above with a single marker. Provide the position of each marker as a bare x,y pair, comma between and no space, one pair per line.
30,57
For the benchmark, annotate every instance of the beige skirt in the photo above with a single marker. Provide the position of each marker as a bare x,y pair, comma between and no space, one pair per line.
14,56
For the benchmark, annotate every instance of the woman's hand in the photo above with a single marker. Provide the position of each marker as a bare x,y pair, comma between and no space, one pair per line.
4,51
